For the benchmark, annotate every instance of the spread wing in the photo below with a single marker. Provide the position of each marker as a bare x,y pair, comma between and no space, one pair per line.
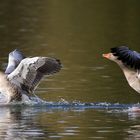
31,70
127,56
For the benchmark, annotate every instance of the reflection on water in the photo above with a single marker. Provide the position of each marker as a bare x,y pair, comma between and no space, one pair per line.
25,122
18,123
77,32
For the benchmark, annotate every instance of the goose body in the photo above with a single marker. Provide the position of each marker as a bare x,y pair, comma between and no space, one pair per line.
129,61
23,75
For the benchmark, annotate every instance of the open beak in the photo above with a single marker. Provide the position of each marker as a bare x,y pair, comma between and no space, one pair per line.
107,55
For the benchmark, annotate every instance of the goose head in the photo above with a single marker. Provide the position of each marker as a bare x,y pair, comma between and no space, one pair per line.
111,57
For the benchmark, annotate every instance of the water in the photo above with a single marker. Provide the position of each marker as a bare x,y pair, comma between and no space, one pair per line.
89,98
64,120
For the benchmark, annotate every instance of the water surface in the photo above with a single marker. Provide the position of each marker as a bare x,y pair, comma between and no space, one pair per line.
77,32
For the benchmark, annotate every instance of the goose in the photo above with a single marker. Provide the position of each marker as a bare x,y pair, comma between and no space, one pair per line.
23,75
129,61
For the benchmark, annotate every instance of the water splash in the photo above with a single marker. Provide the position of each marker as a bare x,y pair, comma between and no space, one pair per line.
62,103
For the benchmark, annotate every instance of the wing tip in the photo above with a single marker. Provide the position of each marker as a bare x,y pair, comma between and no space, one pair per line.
59,66
59,62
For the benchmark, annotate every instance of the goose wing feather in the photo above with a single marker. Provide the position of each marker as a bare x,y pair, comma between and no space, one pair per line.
31,70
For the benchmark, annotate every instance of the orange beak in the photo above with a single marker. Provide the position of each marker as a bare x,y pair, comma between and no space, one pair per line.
107,55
